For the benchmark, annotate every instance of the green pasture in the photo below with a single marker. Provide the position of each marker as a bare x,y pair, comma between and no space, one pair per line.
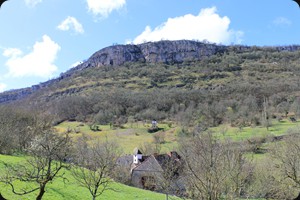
128,137
135,134
238,134
69,189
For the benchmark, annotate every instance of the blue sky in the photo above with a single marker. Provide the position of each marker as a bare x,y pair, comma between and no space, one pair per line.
39,39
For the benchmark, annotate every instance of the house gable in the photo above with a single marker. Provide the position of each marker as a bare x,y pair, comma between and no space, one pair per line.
150,164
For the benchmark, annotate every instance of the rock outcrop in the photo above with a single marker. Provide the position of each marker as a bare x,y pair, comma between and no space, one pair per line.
171,52
14,95
168,52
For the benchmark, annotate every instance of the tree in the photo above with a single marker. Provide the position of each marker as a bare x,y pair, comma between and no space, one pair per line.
268,183
94,165
295,106
149,148
214,169
171,181
47,155
287,157
17,128
283,107
265,115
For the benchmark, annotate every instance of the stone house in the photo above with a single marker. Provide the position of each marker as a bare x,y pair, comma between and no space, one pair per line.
157,172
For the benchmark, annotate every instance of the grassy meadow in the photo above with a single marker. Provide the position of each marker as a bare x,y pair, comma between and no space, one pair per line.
69,189
135,134
128,137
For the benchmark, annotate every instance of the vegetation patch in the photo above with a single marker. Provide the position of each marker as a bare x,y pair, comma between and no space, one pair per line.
69,189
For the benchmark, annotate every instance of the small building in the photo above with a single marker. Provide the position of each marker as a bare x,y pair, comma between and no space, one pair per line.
146,174
155,172
154,123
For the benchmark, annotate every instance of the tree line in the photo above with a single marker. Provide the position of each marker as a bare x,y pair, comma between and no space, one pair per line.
235,87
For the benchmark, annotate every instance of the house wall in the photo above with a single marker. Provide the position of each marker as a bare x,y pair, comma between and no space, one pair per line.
136,178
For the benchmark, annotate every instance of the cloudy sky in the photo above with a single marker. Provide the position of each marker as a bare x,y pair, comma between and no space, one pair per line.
39,39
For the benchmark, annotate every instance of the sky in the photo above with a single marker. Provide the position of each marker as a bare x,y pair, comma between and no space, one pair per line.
40,39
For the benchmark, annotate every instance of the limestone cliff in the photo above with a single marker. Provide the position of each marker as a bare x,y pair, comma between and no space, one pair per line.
168,52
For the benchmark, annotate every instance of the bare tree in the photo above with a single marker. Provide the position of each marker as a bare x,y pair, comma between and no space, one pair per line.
17,128
265,115
268,182
171,181
48,153
287,157
150,148
213,168
94,165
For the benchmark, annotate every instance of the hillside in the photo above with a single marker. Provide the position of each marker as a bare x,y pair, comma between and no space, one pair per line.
239,103
70,189
168,52
168,79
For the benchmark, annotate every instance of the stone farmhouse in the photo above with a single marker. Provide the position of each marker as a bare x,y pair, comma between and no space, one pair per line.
157,172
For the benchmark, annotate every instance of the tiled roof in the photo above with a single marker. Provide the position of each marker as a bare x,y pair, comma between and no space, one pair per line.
150,164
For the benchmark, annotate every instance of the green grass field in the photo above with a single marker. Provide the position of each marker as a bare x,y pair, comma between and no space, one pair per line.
128,137
135,134
60,190
237,134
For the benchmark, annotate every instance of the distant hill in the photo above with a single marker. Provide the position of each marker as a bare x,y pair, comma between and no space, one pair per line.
168,52
168,77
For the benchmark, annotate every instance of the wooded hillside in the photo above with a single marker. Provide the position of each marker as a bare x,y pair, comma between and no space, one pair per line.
199,98
233,85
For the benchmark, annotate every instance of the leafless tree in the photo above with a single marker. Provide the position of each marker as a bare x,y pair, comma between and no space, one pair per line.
171,181
287,161
47,155
94,166
214,168
150,148
17,128
265,115
268,183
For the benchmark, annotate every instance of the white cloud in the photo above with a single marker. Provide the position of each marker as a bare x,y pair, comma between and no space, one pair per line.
282,21
104,7
71,23
12,52
2,87
39,62
76,64
32,3
208,25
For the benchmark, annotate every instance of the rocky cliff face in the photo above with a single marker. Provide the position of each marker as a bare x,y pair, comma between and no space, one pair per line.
14,95
168,52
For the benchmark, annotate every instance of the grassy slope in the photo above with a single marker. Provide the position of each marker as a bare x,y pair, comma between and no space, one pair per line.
135,135
138,134
276,129
131,136
71,190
